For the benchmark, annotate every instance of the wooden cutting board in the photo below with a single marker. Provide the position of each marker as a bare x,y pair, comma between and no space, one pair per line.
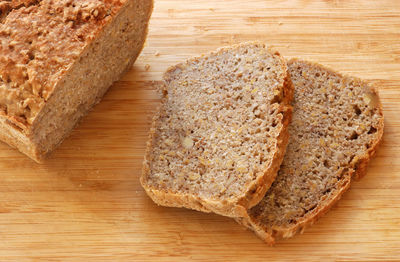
86,203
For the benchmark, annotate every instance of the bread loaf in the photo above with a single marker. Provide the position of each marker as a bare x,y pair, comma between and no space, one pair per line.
336,128
221,131
57,59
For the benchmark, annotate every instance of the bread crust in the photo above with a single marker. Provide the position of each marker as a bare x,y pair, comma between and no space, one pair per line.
356,170
27,136
255,191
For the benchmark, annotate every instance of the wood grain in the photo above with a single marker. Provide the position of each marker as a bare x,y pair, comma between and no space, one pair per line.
86,203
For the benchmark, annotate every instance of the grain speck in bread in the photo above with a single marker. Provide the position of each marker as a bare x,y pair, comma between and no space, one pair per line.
57,59
336,128
221,131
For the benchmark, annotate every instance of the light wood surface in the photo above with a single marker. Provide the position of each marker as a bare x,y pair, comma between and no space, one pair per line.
86,203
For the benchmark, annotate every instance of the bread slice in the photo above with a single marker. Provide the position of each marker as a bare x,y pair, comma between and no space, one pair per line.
57,59
336,128
221,132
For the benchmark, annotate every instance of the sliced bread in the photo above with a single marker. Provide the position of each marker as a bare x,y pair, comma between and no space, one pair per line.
336,128
221,132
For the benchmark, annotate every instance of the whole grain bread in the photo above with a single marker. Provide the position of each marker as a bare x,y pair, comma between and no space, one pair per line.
221,131
336,128
57,59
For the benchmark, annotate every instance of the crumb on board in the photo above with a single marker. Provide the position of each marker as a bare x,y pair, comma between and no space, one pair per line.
147,67
157,53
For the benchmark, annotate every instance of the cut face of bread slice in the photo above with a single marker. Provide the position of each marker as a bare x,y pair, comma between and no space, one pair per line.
337,125
221,131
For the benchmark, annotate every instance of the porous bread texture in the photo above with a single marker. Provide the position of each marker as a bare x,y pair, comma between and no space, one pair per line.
221,132
57,59
336,128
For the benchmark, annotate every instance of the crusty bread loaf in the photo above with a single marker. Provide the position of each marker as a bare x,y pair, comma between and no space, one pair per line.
221,132
337,125
57,59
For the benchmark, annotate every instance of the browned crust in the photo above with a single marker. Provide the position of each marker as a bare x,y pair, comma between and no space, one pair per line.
12,135
29,147
356,170
256,190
